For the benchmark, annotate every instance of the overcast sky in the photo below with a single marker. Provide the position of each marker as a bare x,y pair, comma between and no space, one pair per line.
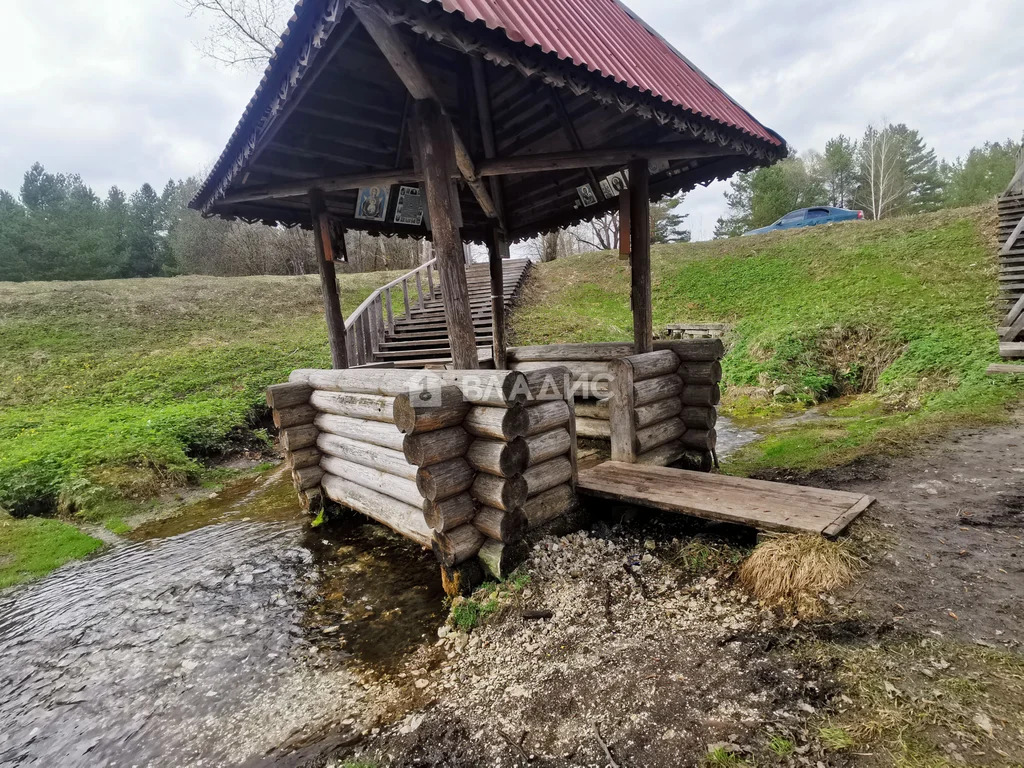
116,91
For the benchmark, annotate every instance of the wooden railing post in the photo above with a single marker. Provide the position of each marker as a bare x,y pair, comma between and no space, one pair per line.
390,311
419,289
405,295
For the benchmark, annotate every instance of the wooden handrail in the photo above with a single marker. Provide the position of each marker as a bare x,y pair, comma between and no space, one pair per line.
365,328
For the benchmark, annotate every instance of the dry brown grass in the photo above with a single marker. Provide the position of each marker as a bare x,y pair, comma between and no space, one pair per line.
793,572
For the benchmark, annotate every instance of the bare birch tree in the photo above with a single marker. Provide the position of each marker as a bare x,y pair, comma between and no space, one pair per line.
883,182
242,32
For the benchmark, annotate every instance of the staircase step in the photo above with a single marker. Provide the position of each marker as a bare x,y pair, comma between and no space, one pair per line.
422,344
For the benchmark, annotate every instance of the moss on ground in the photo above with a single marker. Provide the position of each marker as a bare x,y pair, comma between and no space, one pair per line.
899,315
33,547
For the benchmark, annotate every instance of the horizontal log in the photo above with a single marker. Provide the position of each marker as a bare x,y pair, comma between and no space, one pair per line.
547,445
495,388
709,372
297,438
389,382
659,434
379,433
687,350
646,415
354,406
663,455
400,517
505,459
434,447
699,417
701,394
598,429
700,439
280,396
306,457
501,525
294,417
546,416
306,478
592,409
652,364
551,383
374,456
545,507
501,492
591,390
547,474
500,423
445,514
444,480
446,408
396,487
660,388
500,560
594,370
558,353
457,545
694,350
593,158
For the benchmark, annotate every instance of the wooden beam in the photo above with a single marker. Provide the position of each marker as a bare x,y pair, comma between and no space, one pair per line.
483,108
624,224
574,138
324,184
328,281
497,298
640,256
403,61
575,159
433,143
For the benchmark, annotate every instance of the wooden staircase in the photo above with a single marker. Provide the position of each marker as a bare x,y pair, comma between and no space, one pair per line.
414,334
1011,268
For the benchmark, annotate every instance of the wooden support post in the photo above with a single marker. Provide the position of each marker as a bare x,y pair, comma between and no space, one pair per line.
620,411
640,256
436,157
624,225
497,298
328,280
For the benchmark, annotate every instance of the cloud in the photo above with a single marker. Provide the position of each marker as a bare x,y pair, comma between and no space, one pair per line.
117,92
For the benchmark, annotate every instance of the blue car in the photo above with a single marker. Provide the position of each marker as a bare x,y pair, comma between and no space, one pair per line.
809,217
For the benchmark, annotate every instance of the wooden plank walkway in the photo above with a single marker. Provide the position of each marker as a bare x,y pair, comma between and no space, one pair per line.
758,503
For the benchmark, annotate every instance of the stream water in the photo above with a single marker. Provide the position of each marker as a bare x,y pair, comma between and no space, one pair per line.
211,636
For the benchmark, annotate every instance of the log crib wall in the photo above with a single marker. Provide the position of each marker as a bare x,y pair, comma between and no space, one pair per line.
468,463
462,462
653,408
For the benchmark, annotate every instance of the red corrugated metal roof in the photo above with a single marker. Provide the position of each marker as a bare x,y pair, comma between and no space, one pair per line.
609,39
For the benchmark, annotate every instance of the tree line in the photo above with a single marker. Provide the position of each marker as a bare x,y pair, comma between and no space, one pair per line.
58,228
890,171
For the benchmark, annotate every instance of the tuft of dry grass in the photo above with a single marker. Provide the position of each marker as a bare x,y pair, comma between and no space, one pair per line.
794,571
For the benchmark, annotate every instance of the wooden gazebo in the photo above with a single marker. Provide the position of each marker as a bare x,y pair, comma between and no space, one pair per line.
507,118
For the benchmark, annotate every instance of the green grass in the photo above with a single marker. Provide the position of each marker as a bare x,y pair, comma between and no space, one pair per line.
115,390
33,547
899,314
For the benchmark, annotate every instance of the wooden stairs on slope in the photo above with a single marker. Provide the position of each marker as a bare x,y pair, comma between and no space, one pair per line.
420,337
1011,269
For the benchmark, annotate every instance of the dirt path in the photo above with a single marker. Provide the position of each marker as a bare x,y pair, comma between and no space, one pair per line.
949,534
652,656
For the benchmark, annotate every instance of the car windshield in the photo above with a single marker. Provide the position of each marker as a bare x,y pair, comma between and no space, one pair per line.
794,216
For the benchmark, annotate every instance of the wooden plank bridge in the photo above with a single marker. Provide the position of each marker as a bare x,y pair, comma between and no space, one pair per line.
761,504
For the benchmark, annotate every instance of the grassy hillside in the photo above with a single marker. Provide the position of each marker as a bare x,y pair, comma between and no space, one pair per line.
898,315
113,390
